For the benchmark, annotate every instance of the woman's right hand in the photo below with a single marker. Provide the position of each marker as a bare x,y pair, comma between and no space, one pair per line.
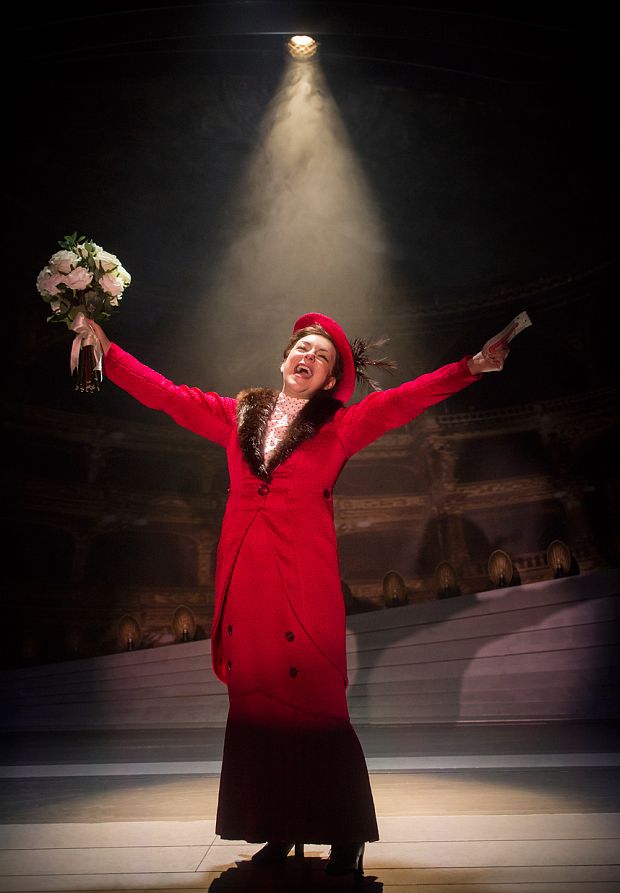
101,335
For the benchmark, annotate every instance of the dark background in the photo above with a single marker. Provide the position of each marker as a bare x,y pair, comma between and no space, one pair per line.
487,134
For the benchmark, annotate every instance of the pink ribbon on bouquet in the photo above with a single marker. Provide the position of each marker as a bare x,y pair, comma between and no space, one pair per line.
84,337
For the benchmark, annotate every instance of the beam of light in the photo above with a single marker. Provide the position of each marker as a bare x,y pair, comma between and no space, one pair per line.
303,234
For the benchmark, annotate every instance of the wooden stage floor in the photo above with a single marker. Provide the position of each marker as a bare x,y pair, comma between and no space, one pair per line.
479,810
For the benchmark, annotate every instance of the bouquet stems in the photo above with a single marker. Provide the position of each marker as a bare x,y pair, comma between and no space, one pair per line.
88,377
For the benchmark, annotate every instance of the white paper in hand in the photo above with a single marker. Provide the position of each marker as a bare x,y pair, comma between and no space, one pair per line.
497,342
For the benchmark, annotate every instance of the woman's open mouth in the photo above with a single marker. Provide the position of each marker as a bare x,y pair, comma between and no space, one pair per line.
302,370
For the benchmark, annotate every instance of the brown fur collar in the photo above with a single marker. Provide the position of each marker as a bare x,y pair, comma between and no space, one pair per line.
254,406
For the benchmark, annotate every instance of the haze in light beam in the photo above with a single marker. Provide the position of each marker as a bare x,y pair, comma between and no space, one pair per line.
304,233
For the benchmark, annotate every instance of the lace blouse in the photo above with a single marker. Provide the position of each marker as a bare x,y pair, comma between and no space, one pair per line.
284,412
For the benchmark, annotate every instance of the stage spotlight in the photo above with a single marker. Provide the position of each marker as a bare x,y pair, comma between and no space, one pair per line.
302,47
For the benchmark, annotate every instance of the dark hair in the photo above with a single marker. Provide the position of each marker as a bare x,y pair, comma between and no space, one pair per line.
315,330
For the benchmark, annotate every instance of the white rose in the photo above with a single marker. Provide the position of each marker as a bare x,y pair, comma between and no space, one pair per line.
123,275
63,261
106,261
48,282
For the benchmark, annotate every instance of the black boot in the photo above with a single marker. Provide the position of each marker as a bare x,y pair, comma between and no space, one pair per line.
276,851
346,858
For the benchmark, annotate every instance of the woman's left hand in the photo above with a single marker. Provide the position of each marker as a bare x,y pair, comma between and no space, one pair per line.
488,361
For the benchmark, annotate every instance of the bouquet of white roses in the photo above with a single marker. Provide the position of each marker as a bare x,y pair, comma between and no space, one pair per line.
82,282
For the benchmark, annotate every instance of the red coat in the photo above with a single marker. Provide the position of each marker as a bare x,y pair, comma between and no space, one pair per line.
292,516
278,634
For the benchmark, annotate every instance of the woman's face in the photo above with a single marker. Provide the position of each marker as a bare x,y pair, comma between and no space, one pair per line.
308,367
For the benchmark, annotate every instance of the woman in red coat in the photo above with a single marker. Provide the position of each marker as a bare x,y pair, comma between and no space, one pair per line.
292,768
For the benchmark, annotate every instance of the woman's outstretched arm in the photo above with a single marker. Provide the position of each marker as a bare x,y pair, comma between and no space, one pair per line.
383,411
205,413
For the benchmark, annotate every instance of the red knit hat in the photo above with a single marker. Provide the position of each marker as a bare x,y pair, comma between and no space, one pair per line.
345,387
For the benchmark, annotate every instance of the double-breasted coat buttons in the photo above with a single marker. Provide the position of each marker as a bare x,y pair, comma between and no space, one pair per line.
289,635
263,490
230,629
326,493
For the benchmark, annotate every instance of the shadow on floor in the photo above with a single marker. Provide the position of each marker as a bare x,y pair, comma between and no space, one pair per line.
300,877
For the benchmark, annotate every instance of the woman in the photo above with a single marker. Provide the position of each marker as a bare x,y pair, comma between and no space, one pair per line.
292,768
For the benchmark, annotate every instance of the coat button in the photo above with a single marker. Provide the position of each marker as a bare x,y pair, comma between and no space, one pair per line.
229,664
292,671
230,629
326,493
263,490
289,636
